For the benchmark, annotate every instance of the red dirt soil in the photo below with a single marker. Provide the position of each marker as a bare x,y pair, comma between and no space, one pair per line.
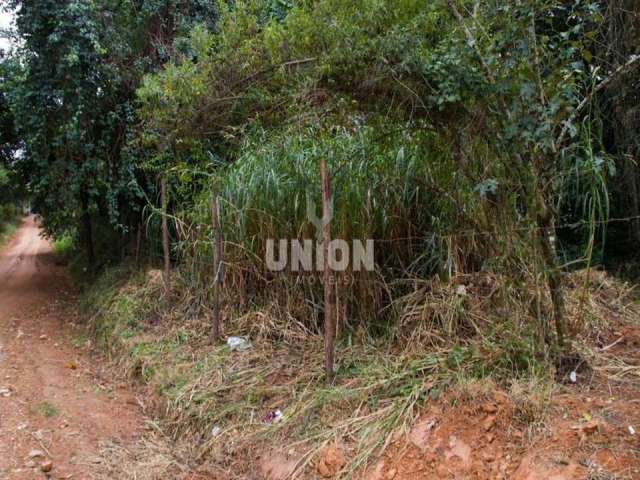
588,433
52,398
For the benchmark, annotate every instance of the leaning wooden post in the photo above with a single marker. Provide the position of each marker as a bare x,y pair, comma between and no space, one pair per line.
329,287
218,267
165,234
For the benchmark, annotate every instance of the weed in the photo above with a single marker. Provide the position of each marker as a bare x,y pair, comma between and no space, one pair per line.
64,246
530,398
78,341
6,230
46,409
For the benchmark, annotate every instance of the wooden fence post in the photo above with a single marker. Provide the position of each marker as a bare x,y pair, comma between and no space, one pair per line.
138,243
165,234
329,287
218,267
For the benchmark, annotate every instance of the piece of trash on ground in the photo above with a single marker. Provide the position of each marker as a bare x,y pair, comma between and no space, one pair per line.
273,417
36,453
238,343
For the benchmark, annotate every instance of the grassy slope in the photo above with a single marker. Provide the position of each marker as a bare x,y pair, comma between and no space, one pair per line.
6,230
219,402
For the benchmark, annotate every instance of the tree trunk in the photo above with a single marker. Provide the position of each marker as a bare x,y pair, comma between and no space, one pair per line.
87,229
329,287
542,215
138,243
553,274
218,267
165,234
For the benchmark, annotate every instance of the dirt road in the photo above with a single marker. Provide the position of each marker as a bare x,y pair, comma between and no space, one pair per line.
53,401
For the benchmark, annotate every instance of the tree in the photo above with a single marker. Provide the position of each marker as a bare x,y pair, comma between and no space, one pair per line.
73,101
9,188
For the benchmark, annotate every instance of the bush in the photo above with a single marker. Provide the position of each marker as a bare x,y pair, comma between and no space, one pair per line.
9,212
64,246
8,220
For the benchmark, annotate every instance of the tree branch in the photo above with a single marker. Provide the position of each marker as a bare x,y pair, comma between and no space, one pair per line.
603,84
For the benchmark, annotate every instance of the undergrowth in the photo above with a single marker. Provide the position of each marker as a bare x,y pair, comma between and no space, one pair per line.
6,230
63,246
222,401
8,222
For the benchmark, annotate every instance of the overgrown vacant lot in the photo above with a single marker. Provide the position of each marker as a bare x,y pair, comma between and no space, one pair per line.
377,239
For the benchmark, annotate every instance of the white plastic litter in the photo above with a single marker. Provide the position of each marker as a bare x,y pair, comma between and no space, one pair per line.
238,343
632,430
215,431
274,416
573,377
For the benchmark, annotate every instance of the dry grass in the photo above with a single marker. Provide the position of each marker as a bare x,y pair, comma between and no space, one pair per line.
208,388
530,399
214,403
439,312
153,458
596,301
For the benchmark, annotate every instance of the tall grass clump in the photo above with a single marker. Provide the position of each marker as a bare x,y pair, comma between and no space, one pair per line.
428,210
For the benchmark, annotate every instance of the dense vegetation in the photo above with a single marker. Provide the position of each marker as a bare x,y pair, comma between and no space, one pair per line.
464,138
9,186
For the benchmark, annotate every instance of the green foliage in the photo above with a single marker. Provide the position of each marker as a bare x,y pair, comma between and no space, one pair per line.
10,190
255,68
119,312
251,72
8,217
450,132
71,91
443,150
8,213
64,246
